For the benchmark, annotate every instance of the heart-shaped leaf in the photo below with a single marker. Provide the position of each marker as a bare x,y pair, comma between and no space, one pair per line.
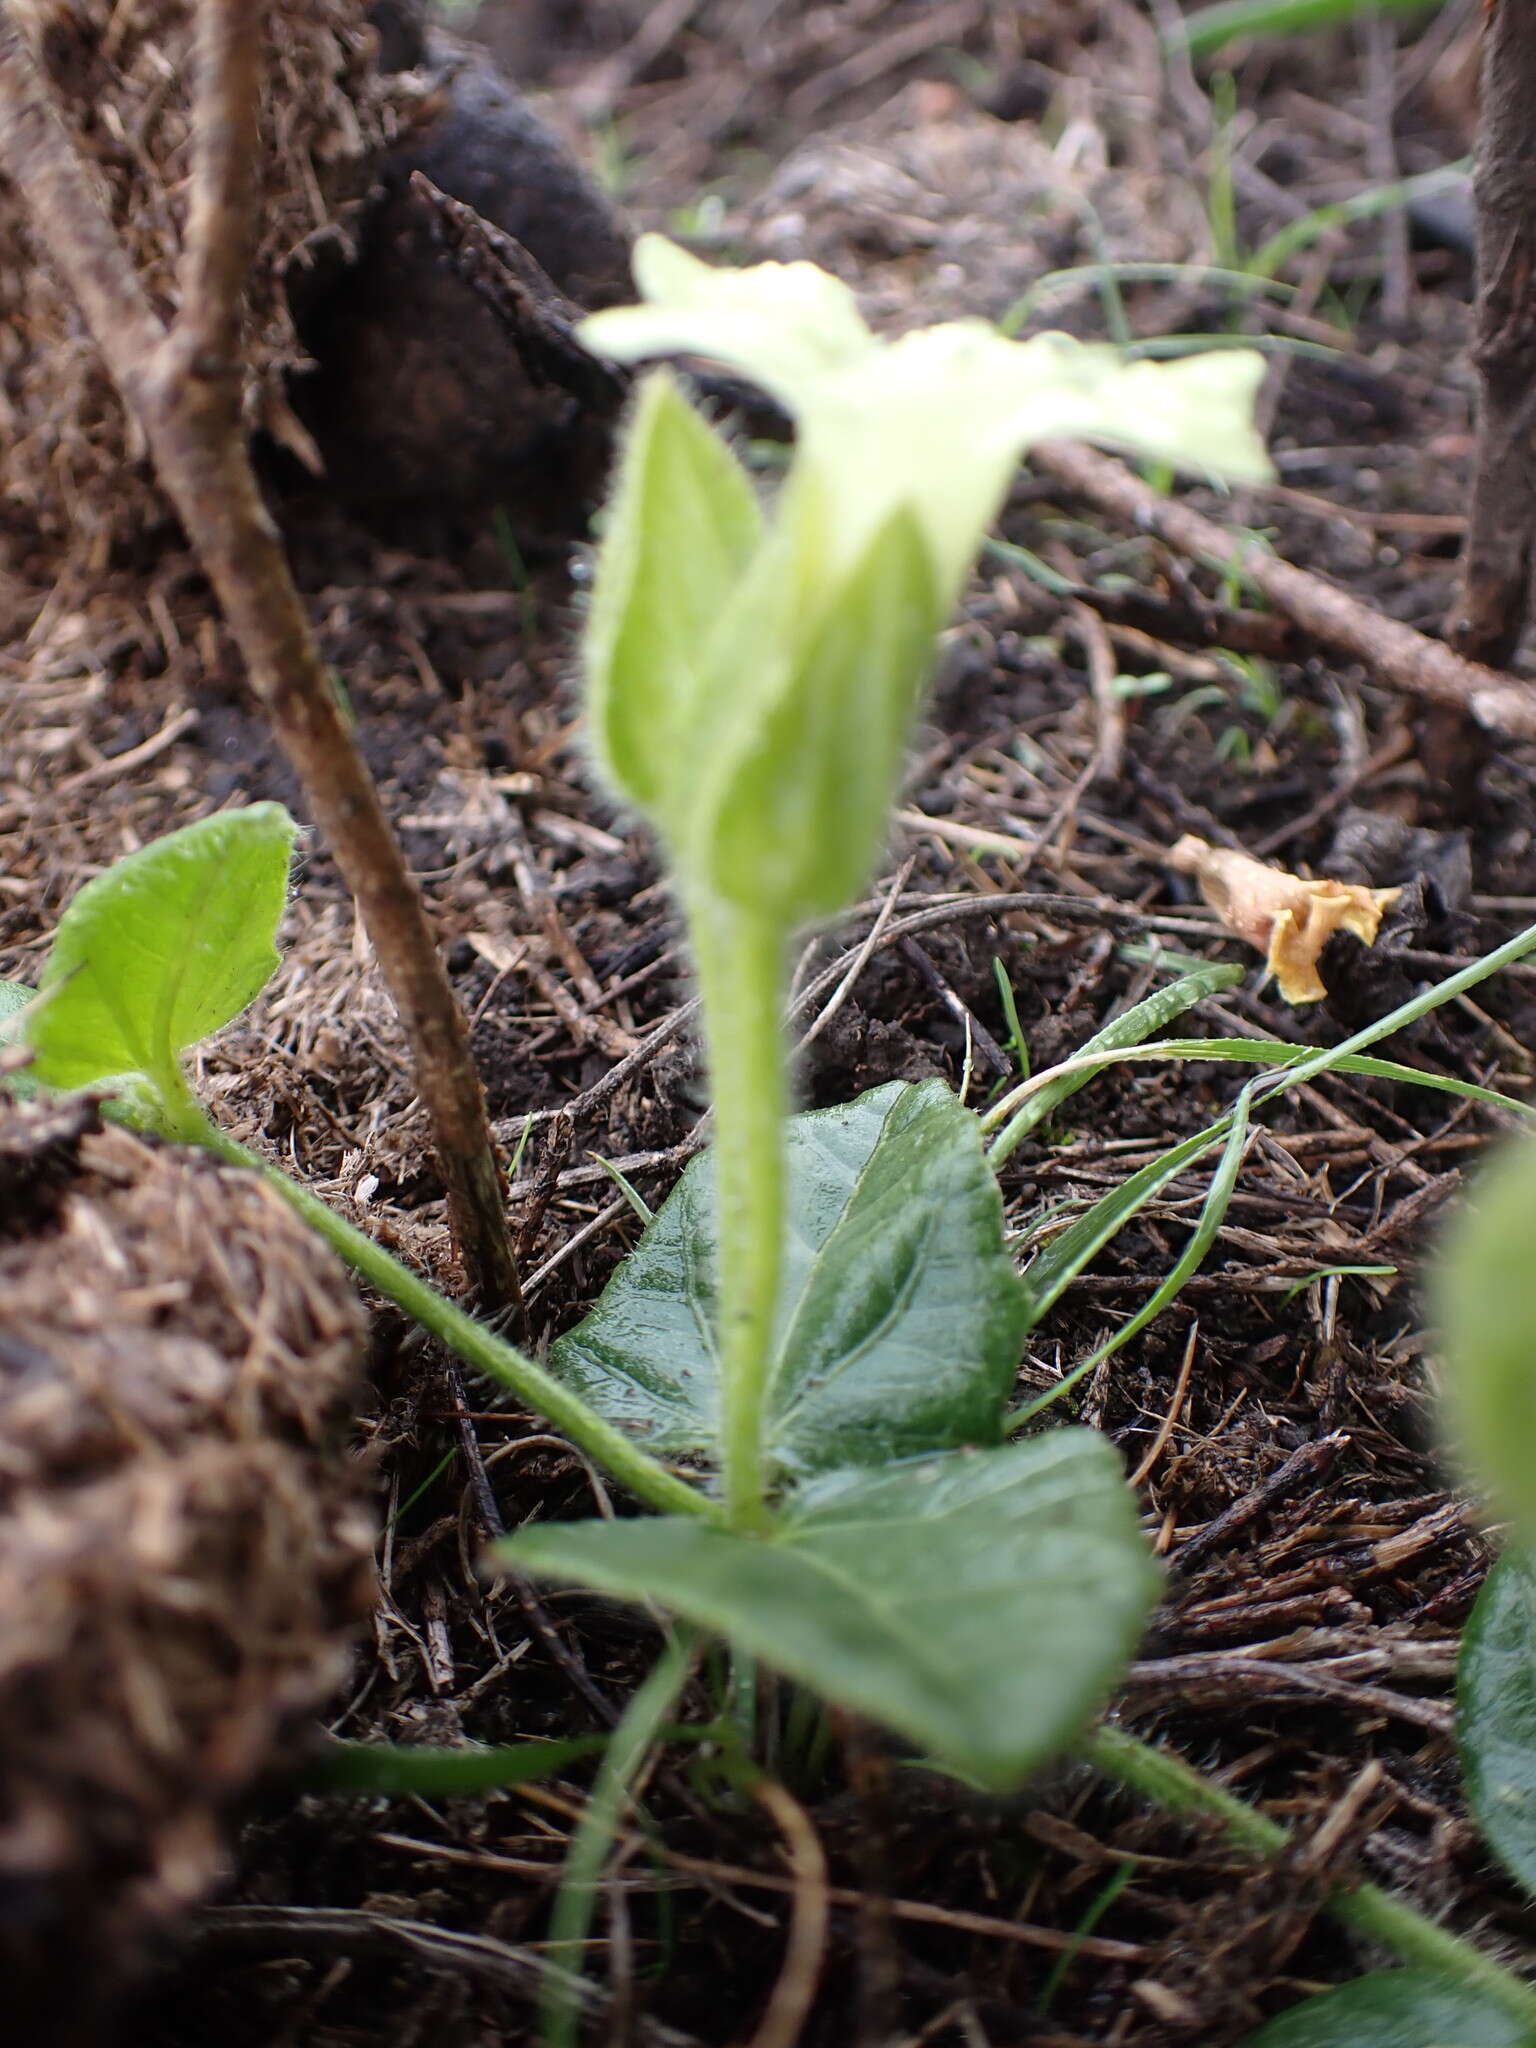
979,1603
900,1315
1395,2009
1496,1712
164,948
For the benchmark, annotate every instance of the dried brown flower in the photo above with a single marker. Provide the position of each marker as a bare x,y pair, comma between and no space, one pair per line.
1287,917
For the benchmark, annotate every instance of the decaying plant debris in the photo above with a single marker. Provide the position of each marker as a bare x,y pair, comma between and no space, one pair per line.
184,1536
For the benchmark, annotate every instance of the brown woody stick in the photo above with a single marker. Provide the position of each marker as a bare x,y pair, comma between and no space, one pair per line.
1394,653
1495,596
183,382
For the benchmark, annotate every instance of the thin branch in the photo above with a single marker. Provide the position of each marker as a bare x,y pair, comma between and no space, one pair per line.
222,218
1394,653
184,388
537,316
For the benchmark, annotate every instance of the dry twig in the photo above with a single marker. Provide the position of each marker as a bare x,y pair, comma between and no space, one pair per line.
805,1951
183,382
1394,653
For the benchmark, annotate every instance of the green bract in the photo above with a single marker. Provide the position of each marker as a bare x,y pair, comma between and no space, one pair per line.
751,683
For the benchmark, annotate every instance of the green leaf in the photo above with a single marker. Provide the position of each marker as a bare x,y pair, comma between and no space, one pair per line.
1395,2009
979,1603
1213,1210
798,795
165,947
900,1315
680,529
129,1098
1485,1303
1496,1713
14,998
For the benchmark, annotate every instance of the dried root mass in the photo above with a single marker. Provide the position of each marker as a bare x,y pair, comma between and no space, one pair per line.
184,1539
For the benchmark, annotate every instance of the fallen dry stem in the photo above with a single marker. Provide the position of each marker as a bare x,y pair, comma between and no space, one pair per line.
183,383
1394,653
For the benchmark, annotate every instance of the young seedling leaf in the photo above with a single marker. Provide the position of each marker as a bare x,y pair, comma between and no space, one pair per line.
900,1315
681,527
1496,1712
164,948
1395,2009
129,1098
1486,1307
979,1603
14,998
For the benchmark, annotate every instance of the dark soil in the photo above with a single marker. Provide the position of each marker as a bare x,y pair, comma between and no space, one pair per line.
944,158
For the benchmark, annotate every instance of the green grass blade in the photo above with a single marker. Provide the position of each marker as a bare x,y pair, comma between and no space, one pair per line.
1212,1214
1088,276
1207,28
1024,1112
1329,1058
425,1771
1277,1052
1300,234
1054,1268
1018,1044
1060,1262
571,1921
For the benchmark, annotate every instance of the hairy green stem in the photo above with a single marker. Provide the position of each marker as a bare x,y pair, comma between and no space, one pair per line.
1364,1908
739,958
571,1920
643,1476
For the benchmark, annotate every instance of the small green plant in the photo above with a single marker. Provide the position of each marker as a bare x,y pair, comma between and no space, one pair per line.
825,1312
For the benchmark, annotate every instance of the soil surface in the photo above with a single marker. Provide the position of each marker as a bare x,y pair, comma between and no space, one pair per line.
945,157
